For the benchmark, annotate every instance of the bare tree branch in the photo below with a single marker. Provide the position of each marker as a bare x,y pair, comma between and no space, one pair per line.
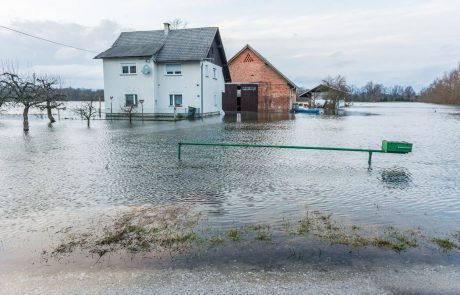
129,109
177,24
53,98
22,90
86,111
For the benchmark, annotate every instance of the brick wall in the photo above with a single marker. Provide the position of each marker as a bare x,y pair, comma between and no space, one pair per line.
274,90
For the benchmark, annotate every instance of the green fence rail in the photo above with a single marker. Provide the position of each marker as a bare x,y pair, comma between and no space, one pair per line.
387,147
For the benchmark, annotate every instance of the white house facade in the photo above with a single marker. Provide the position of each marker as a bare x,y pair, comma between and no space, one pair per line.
165,72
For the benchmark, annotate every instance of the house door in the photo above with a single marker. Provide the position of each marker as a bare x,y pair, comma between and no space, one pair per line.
229,101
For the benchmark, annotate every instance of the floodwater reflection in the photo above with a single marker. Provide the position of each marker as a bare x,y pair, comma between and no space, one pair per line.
396,178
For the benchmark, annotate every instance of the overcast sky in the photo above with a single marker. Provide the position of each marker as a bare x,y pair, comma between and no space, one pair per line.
406,42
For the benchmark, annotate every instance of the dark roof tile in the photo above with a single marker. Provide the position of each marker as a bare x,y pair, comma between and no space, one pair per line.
178,45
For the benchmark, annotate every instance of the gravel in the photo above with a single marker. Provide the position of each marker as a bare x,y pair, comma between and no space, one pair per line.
417,279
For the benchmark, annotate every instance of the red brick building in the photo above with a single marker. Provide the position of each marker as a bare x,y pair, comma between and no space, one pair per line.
257,86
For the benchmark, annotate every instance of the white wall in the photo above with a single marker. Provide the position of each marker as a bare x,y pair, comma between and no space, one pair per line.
213,88
117,84
189,85
156,87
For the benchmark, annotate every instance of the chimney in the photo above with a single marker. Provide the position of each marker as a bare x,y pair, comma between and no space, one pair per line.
167,28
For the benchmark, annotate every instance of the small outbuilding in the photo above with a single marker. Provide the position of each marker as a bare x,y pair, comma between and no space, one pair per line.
257,85
320,95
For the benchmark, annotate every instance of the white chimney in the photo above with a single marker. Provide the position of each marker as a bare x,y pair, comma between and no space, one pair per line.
167,28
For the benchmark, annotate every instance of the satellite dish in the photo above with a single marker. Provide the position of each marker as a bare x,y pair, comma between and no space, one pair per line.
146,70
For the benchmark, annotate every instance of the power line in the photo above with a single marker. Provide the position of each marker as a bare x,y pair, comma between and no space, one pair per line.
47,40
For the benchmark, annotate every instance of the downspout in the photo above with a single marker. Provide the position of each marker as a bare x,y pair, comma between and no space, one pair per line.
201,67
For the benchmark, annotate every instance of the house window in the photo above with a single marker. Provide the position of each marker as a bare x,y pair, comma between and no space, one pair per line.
206,71
175,100
131,99
173,69
128,69
214,73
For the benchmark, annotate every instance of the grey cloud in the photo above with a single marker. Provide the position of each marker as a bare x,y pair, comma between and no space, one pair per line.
74,66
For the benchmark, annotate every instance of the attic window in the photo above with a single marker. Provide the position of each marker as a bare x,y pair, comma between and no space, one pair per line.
248,58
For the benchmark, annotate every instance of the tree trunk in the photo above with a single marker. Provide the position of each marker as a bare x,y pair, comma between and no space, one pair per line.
88,121
25,117
50,115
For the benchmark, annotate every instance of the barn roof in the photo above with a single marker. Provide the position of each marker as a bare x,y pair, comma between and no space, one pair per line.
292,84
320,88
177,45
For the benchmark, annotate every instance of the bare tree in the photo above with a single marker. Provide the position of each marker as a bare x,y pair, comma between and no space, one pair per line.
177,24
3,93
52,96
337,90
445,90
129,109
86,111
22,91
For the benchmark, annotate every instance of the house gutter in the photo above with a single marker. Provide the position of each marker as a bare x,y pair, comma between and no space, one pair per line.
201,84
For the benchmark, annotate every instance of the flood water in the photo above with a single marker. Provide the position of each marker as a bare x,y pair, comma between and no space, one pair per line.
62,175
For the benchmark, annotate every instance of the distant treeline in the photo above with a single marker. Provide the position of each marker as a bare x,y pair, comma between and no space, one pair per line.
82,94
374,92
445,90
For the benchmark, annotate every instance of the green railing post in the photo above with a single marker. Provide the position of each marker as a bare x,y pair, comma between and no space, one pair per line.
178,150
370,158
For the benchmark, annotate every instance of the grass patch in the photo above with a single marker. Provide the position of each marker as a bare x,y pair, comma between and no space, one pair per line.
216,241
263,236
305,225
234,234
141,229
174,229
444,244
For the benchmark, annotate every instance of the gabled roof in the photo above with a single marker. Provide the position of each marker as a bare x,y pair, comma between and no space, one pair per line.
292,84
177,45
320,88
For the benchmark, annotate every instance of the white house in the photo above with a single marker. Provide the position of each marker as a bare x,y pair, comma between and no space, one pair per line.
166,71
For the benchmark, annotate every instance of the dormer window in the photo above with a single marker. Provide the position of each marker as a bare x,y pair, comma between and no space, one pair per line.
173,69
127,69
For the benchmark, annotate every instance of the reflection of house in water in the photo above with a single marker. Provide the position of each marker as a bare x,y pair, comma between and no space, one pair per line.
257,86
319,97
261,117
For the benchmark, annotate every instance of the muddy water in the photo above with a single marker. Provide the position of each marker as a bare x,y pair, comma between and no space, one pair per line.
57,179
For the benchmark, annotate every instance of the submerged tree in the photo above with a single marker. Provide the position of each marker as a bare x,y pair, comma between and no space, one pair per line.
22,90
129,110
53,98
3,93
337,90
86,111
